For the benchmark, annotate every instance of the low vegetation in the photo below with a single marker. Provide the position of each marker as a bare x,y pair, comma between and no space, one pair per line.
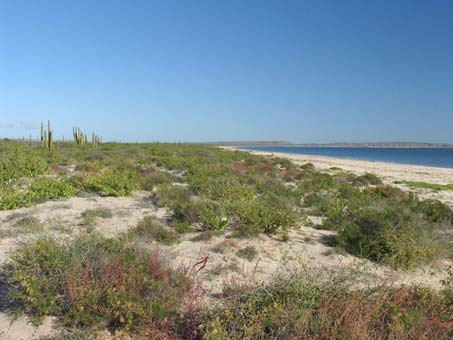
99,281
249,253
309,307
96,280
425,185
125,284
150,229
90,216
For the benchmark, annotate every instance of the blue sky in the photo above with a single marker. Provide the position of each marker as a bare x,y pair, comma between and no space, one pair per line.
303,71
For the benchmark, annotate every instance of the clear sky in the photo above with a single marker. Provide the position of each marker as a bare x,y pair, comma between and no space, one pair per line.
303,71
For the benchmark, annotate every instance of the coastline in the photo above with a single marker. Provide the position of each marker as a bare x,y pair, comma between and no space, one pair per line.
388,172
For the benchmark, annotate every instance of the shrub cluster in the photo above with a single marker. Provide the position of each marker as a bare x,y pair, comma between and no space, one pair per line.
95,280
384,223
310,307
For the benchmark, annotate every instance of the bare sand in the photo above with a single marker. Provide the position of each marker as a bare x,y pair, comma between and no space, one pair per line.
388,172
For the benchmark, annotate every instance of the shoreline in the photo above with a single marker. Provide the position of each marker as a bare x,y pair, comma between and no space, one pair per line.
388,172
246,148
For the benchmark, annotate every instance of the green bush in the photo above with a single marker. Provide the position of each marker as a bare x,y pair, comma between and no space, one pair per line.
112,182
435,211
387,236
48,188
11,198
311,307
182,227
267,214
95,280
22,162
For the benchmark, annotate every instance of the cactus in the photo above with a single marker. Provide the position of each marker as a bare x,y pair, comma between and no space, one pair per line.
79,137
50,139
95,139
42,134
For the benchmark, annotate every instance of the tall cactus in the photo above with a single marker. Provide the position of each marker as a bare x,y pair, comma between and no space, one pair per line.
95,139
50,132
42,134
79,136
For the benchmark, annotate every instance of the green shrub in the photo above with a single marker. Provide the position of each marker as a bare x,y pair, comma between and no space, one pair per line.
95,280
435,211
212,215
182,227
311,307
264,213
170,195
49,188
316,181
382,236
112,182
22,162
209,214
10,198
37,274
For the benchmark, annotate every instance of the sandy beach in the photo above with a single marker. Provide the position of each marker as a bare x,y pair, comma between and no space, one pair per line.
388,172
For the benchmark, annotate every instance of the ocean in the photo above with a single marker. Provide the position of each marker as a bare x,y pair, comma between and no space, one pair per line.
437,157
